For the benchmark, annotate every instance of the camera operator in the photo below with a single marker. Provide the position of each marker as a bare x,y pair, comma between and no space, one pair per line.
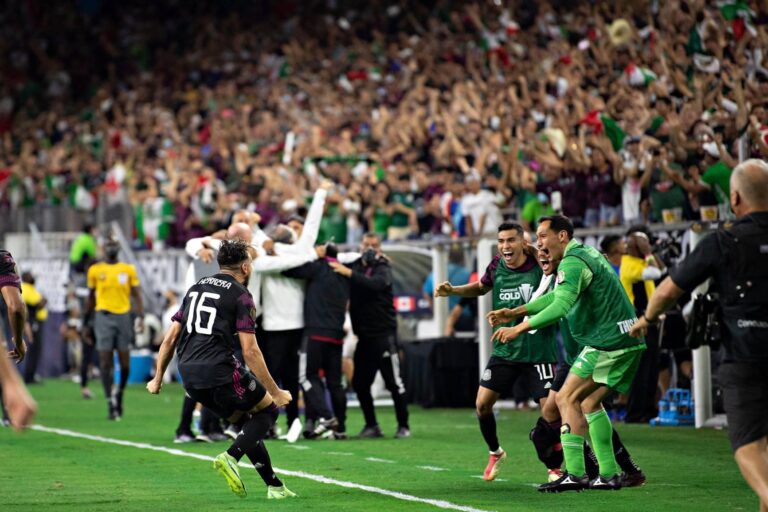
735,260
375,324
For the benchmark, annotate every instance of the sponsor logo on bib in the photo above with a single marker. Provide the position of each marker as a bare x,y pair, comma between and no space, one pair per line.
522,292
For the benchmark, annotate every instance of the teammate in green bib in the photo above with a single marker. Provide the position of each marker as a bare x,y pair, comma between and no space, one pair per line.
599,315
512,276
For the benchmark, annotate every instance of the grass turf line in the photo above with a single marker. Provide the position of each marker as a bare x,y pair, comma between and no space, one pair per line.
687,469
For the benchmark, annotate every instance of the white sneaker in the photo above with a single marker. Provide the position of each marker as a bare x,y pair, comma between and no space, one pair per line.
294,432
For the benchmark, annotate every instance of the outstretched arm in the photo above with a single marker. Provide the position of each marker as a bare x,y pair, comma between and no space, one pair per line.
255,361
475,289
164,357
17,316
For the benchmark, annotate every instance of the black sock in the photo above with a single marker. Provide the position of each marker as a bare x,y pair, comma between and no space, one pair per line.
187,411
259,457
590,462
107,378
623,458
488,429
124,374
254,430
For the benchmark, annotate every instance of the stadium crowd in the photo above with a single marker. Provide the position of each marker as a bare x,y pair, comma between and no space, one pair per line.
433,118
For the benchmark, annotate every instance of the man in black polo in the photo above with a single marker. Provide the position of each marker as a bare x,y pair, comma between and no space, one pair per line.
375,324
735,259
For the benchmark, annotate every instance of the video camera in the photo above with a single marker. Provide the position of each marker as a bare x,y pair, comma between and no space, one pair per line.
704,327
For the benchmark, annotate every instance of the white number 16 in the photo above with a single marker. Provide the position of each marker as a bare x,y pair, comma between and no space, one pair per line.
201,308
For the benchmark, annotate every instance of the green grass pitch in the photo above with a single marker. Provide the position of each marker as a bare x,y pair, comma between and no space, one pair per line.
46,471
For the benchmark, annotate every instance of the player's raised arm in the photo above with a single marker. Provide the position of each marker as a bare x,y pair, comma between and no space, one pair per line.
475,289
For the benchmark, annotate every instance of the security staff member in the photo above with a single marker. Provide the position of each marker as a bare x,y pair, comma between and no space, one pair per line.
113,284
735,260
374,322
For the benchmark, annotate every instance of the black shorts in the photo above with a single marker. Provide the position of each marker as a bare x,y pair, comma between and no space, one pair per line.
560,375
242,394
500,376
745,393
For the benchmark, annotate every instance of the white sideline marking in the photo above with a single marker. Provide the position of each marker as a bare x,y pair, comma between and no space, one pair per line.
495,480
297,446
345,454
432,468
376,459
299,474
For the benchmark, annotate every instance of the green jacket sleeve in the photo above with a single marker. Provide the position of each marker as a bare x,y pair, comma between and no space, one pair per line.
540,303
572,277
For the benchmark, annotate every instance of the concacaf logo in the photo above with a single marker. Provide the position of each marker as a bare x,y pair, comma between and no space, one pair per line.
522,292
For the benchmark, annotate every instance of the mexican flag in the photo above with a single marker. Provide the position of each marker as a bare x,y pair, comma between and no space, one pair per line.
638,76
740,16
602,123
153,220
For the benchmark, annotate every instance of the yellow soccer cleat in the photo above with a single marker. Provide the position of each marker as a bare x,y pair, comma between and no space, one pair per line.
226,465
279,493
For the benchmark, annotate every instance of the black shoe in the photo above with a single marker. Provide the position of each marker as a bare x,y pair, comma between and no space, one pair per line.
324,425
370,432
271,433
606,484
634,479
309,429
113,415
402,433
567,482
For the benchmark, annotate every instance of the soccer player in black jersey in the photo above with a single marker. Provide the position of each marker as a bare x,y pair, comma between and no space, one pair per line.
19,406
216,312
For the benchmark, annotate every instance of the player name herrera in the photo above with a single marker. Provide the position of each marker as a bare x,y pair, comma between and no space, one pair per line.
216,282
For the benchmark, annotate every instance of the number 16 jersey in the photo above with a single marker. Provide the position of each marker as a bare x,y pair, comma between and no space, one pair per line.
214,310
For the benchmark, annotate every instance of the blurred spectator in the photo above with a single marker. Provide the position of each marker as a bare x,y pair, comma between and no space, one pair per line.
192,113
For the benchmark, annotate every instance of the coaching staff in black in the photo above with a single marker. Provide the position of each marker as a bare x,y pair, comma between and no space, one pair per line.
372,311
736,259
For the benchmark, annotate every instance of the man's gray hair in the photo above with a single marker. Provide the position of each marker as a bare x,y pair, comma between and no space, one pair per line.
750,179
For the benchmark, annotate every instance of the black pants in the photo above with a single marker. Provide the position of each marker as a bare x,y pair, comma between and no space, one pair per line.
33,354
89,351
373,355
642,404
281,353
327,356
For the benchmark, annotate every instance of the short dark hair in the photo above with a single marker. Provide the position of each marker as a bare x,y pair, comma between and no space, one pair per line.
558,223
639,228
607,243
232,253
331,250
372,234
506,226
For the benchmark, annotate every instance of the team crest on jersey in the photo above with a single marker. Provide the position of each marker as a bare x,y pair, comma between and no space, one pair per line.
252,385
486,375
560,277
